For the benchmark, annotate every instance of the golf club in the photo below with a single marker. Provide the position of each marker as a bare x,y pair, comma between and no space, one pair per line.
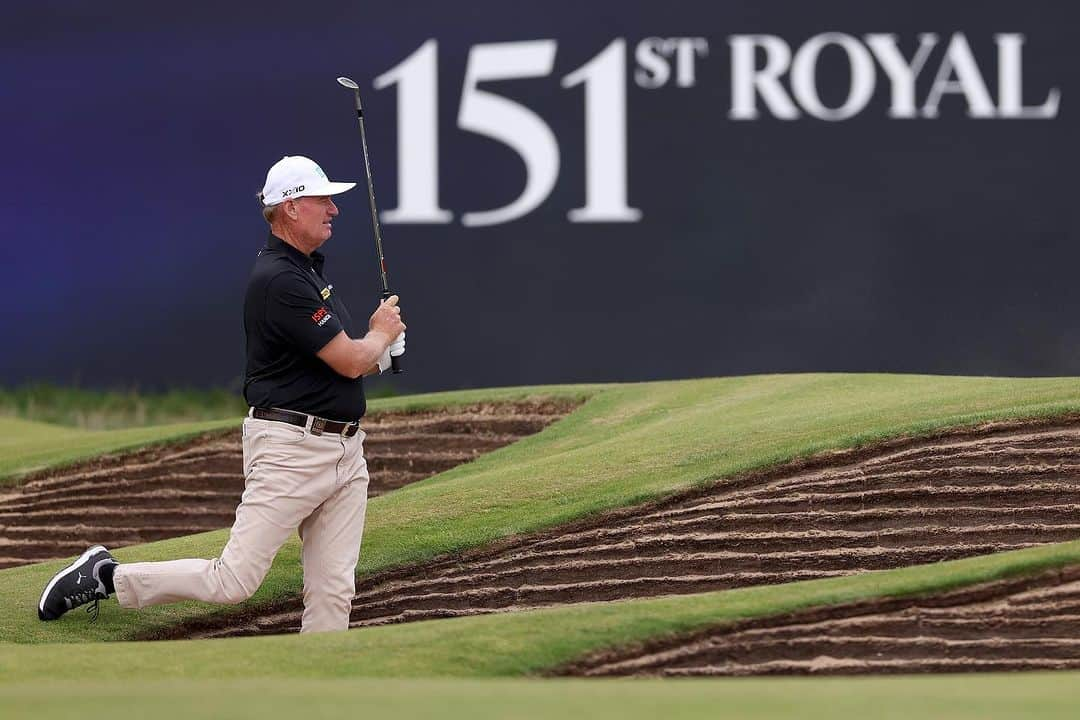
395,362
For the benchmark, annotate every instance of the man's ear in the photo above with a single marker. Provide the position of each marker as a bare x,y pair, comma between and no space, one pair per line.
290,209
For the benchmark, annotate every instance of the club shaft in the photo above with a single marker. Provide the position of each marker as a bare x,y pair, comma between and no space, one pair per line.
395,362
371,198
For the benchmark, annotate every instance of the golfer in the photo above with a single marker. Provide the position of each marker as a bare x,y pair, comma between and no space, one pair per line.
304,466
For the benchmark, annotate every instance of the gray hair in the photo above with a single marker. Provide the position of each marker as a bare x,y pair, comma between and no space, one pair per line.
267,210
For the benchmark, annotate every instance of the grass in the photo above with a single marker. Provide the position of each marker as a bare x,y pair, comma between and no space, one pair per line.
627,444
27,446
1048,696
89,409
113,409
512,644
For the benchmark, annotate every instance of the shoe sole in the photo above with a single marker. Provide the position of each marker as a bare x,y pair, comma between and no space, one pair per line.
82,558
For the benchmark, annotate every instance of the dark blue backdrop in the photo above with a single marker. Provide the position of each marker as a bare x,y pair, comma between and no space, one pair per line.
136,135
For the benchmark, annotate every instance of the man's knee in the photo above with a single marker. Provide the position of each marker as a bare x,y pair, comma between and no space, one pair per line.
237,585
235,594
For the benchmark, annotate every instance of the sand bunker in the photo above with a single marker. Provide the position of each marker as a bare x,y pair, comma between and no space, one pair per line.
1025,624
175,490
905,502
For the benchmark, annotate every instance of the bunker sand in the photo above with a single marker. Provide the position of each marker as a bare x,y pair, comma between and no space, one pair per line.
175,490
999,487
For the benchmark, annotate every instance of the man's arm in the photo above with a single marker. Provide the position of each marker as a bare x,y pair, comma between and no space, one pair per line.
354,357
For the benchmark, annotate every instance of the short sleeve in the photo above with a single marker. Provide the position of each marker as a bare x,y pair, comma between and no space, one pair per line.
296,312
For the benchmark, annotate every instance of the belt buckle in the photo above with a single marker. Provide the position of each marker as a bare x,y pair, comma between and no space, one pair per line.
317,425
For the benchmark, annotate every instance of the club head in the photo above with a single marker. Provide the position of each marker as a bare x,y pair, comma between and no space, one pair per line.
346,82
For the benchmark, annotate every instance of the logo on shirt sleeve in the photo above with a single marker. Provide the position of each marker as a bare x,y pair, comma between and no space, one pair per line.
320,316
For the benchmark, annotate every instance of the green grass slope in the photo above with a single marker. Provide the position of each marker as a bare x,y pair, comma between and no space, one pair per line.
627,444
509,644
26,446
1047,696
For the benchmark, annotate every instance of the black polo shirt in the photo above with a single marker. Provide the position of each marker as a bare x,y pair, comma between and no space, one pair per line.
291,311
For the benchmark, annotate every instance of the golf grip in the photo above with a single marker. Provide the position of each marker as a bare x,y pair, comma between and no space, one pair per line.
395,360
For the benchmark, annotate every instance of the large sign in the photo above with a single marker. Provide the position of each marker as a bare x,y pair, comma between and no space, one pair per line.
570,191
784,85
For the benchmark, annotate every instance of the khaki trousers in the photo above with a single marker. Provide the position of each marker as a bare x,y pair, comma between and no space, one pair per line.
293,480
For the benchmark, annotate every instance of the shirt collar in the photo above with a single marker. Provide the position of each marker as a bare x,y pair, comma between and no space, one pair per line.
316,260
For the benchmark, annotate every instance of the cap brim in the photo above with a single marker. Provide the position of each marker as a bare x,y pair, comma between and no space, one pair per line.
320,190
327,188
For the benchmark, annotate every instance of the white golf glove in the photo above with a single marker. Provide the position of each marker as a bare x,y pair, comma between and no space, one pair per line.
396,349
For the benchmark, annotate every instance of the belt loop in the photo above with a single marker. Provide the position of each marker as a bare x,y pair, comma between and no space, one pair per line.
251,412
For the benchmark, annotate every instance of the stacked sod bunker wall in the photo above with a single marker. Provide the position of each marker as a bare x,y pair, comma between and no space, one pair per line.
1029,623
1000,487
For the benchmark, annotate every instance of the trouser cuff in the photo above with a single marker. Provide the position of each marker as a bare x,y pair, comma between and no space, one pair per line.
124,595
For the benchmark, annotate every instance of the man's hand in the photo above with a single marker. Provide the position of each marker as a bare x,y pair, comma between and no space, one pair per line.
396,349
386,320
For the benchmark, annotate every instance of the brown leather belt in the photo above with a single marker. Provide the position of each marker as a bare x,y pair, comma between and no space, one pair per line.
318,425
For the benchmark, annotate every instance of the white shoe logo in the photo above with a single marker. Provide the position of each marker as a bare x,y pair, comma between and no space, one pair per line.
78,580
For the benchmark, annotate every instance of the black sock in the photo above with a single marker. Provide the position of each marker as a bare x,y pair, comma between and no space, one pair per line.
105,573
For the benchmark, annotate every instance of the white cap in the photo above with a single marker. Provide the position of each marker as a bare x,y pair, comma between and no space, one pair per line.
295,176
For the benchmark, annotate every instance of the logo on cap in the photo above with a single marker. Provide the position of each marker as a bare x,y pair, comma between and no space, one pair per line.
290,191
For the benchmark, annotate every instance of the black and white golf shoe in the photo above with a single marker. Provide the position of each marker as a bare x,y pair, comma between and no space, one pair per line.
79,583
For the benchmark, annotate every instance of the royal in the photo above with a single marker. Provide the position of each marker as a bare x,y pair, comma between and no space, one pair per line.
958,73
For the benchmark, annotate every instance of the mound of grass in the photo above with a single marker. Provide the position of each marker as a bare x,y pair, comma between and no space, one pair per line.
27,446
628,444
514,644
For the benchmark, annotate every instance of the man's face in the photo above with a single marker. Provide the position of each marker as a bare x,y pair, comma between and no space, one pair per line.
313,218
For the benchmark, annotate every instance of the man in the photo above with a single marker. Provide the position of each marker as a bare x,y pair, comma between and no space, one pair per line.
304,466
